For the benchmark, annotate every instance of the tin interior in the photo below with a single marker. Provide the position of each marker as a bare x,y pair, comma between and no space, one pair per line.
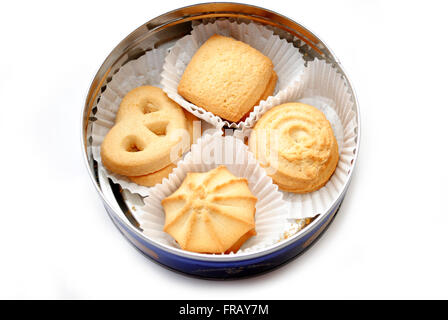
162,32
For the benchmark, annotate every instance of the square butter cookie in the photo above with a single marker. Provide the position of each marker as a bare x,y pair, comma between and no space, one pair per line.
228,78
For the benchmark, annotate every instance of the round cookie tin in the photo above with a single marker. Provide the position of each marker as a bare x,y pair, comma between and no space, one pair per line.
164,31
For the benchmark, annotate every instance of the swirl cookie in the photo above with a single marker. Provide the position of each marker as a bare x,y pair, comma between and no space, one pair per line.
228,78
297,145
148,135
211,212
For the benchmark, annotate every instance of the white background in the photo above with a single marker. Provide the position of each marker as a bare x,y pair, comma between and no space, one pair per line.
389,239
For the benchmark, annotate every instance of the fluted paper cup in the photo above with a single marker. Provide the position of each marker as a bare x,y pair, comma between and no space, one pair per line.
324,88
145,70
288,62
208,153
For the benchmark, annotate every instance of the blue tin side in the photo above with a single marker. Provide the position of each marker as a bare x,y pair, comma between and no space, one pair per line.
223,269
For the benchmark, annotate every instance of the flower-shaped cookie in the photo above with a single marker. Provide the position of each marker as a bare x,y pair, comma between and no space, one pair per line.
211,212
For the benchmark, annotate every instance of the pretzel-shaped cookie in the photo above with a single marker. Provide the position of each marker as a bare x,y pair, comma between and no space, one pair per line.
156,177
147,127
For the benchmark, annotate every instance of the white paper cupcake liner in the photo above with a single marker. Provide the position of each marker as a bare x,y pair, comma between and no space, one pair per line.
324,88
145,70
288,62
208,153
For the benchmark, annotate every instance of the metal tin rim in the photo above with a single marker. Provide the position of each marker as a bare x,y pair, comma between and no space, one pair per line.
223,258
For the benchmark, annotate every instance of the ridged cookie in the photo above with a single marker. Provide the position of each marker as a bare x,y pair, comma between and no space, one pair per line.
227,77
147,127
297,143
211,212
